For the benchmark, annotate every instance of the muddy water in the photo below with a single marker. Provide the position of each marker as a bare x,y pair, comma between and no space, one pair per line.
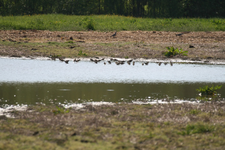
34,93
44,81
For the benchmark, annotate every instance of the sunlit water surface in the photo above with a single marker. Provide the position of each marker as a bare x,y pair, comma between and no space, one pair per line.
35,81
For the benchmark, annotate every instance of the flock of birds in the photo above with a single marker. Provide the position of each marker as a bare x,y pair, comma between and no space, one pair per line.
117,62
110,61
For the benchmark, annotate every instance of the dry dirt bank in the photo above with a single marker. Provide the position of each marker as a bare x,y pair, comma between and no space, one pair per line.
126,44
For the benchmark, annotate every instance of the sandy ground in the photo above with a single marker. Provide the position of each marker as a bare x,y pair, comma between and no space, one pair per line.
132,44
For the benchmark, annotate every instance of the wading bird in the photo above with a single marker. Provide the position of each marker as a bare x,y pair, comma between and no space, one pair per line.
66,61
76,60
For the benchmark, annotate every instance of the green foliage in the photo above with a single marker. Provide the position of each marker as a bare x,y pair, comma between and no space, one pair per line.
194,112
90,25
208,91
173,52
138,8
69,42
53,43
59,22
60,110
196,128
80,53
218,22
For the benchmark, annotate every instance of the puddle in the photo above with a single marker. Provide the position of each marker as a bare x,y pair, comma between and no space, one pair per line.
41,81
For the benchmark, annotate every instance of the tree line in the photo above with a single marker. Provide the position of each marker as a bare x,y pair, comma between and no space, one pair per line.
135,8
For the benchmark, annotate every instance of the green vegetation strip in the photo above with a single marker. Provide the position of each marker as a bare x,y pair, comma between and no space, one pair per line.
59,22
121,126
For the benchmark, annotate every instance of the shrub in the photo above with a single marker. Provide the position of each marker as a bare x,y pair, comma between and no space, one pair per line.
173,52
90,25
208,91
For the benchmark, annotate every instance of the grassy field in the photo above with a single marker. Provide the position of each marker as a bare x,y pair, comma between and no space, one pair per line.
58,22
121,126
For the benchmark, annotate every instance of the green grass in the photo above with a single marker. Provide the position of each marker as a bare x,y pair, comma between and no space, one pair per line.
123,126
59,22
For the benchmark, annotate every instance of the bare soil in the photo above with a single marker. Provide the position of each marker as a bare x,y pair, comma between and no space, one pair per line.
126,44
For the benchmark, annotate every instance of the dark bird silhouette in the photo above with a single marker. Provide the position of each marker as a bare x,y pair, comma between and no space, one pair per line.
179,34
133,63
74,134
171,63
130,60
109,62
114,35
61,59
35,133
191,46
159,63
71,38
76,60
113,59
66,61
96,61
120,62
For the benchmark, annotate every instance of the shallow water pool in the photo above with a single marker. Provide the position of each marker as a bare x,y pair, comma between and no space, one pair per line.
32,81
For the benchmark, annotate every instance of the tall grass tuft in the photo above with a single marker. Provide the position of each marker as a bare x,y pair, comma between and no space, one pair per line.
90,25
